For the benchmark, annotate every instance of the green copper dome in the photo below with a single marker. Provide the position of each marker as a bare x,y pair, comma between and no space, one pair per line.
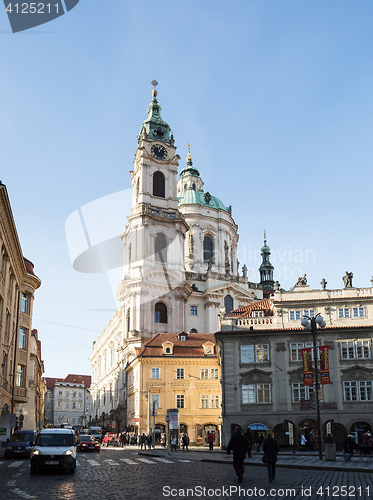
189,169
192,197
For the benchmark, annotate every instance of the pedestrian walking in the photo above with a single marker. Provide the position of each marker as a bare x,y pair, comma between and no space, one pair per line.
185,441
210,439
302,442
173,442
143,440
259,442
349,444
271,448
239,445
250,438
163,440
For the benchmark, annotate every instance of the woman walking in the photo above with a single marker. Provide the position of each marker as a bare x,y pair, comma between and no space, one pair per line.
271,448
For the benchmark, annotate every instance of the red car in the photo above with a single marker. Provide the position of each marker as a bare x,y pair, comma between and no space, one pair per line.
111,438
88,443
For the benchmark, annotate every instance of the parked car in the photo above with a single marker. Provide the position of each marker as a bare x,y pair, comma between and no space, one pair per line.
88,443
19,444
54,449
111,438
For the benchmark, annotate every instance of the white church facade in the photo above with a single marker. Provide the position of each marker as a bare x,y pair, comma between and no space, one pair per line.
180,264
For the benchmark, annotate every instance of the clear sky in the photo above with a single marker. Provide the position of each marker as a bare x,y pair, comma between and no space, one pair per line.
275,97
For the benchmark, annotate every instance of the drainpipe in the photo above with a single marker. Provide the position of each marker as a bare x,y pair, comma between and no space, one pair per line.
15,354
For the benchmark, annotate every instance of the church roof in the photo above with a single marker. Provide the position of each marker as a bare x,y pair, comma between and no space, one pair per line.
265,305
192,347
192,197
154,127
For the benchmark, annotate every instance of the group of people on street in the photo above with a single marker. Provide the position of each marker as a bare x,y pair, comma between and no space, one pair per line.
241,445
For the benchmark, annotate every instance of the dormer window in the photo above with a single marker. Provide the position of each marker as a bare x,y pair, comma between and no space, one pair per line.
257,314
168,348
208,349
182,336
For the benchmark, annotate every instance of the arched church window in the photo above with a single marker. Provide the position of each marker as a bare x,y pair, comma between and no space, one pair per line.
193,330
137,187
160,315
194,186
228,304
208,248
160,248
158,185
185,186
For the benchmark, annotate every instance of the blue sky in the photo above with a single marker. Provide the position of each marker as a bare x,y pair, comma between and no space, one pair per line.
274,96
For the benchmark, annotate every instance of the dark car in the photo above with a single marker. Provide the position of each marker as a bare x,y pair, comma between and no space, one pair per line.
88,443
19,444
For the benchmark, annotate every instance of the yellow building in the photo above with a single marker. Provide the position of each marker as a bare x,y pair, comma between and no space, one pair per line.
176,371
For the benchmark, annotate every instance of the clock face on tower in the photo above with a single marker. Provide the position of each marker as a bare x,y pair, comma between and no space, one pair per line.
159,152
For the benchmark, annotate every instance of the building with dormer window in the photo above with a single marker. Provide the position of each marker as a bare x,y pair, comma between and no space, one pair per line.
176,371
261,355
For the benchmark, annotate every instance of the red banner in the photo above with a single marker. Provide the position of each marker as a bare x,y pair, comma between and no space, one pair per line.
307,366
324,365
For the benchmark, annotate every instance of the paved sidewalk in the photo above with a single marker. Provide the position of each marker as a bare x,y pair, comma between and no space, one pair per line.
285,459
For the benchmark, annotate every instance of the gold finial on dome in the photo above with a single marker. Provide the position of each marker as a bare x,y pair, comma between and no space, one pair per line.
189,157
154,92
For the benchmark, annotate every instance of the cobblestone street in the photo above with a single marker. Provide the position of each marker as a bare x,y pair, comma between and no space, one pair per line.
124,474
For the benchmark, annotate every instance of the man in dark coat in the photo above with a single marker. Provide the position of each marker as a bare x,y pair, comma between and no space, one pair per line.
348,447
240,446
271,448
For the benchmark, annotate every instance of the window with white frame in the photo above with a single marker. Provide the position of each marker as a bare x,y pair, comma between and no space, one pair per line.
344,312
204,373
257,314
261,353
180,373
193,310
309,312
155,373
254,353
355,349
256,393
204,401
358,391
24,303
295,314
215,401
300,392
180,401
21,373
296,350
358,312
214,373
22,338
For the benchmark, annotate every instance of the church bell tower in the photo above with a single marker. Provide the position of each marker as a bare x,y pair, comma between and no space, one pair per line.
153,290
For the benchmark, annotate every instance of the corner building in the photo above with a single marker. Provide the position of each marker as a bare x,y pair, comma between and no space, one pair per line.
260,349
180,263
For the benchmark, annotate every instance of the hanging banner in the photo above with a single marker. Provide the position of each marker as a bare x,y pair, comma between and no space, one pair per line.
307,366
324,364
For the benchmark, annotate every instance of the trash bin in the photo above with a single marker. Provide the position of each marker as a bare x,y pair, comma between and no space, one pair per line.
330,451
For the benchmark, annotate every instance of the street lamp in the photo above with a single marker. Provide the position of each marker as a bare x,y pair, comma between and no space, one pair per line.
311,324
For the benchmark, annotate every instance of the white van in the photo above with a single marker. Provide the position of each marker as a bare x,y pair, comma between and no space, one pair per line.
54,449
